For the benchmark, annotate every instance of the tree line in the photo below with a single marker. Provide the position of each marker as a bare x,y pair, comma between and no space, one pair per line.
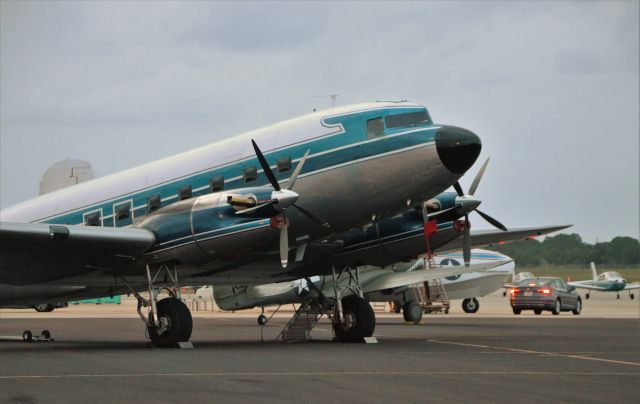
569,249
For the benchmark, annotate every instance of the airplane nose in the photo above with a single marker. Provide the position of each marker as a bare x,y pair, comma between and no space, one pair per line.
457,148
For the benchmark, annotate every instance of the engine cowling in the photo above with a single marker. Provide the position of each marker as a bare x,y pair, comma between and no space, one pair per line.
209,227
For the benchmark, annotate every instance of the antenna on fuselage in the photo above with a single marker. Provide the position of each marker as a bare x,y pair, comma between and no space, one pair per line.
332,96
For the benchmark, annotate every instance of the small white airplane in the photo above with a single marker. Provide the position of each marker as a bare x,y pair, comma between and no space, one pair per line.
609,281
470,286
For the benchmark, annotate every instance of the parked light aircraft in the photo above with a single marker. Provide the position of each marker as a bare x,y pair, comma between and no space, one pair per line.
487,273
609,281
222,214
466,286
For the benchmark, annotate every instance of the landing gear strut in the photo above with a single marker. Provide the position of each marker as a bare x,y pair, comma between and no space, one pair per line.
168,321
353,319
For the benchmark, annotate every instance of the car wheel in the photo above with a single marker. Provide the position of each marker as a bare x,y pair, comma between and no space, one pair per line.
516,311
558,307
537,311
578,308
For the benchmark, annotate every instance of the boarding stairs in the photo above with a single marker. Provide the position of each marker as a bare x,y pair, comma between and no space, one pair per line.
305,318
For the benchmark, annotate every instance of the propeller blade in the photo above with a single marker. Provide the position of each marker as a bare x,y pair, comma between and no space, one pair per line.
265,167
466,242
284,242
317,220
294,175
458,188
476,181
491,220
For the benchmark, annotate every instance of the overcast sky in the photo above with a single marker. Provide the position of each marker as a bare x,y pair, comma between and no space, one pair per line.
552,88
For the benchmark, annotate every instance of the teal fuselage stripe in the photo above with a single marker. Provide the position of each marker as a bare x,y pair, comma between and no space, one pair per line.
351,141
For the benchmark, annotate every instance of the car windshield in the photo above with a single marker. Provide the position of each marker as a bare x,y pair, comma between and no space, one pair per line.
536,282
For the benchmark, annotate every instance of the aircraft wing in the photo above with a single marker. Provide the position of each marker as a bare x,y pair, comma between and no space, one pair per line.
36,252
397,279
483,238
632,286
585,285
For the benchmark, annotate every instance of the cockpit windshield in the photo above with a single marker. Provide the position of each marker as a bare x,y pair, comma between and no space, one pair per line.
408,119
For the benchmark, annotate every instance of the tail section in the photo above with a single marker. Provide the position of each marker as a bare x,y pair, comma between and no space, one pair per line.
594,272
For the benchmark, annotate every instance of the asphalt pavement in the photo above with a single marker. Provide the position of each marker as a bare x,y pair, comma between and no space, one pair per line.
452,359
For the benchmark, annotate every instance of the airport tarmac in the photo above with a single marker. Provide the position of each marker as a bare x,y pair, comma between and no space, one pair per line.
489,356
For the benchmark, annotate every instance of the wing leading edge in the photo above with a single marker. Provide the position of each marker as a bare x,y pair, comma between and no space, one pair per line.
35,252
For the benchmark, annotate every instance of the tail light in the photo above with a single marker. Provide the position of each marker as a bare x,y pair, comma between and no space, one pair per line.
514,292
545,291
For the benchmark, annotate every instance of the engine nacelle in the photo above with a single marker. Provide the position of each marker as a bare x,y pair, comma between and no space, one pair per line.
206,228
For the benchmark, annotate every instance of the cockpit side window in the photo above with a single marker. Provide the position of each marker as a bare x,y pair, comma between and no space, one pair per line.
408,119
375,128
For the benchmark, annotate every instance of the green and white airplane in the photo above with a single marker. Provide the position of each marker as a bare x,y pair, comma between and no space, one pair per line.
609,281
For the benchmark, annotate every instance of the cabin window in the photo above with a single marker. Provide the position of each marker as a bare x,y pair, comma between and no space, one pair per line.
153,203
217,183
250,174
284,164
375,128
92,219
122,214
123,211
408,119
184,193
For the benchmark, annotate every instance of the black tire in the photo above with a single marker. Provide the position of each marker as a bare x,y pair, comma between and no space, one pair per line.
45,334
587,296
27,336
537,311
557,308
397,307
180,323
631,296
262,319
470,305
43,307
412,312
618,296
359,320
578,308
516,311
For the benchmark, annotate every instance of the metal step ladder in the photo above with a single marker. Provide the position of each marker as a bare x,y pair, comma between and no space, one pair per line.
434,297
302,322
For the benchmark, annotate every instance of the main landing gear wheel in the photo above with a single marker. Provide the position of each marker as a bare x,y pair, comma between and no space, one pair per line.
27,336
578,308
618,296
470,305
412,312
631,296
557,309
359,320
587,296
174,324
262,319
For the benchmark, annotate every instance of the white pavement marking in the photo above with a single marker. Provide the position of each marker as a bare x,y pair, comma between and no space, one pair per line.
536,352
353,373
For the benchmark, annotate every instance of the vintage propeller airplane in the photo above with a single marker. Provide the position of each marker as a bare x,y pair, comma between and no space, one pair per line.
219,214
